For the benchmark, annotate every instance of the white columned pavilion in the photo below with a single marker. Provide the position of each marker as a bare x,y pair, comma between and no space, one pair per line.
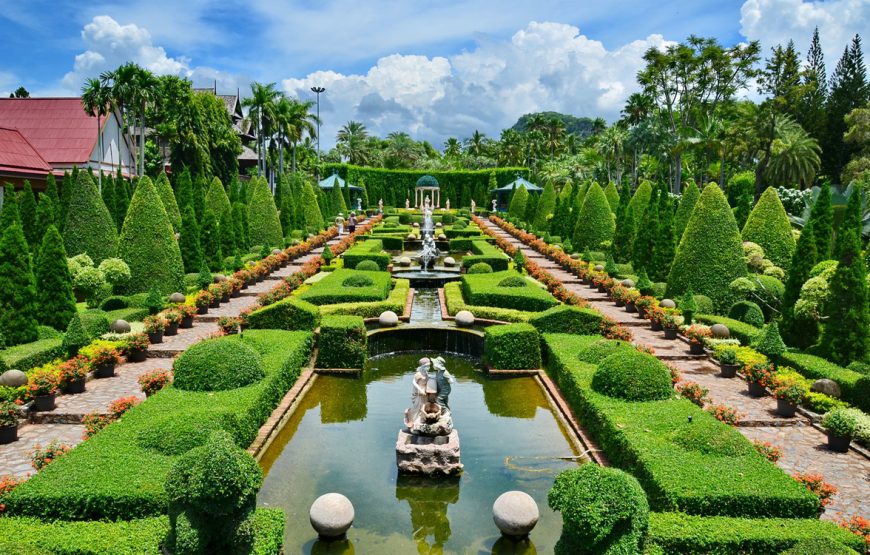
427,186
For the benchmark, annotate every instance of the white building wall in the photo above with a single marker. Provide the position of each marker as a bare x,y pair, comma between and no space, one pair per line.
114,152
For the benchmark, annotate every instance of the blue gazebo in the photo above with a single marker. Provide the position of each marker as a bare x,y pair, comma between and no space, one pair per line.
503,193
328,183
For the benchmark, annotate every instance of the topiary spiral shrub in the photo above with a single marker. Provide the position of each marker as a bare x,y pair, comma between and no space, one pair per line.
217,365
634,376
480,268
604,511
512,347
368,266
747,312
513,281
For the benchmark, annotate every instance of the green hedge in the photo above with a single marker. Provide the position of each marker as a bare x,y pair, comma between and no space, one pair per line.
89,227
217,364
391,229
388,242
681,533
700,467
291,313
485,252
342,342
336,288
512,347
30,355
485,290
854,386
395,302
455,302
746,333
463,244
568,319
128,314
19,536
367,250
453,233
120,472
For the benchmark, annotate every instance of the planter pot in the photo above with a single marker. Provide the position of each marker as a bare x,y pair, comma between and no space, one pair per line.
655,325
696,349
202,309
602,289
592,285
839,444
77,386
104,371
44,403
215,303
225,298
756,389
640,312
156,337
245,285
785,408
187,322
137,356
629,307
620,304
8,434
670,333
171,329
728,370
236,294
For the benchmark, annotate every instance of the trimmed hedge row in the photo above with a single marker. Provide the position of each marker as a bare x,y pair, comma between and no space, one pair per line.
512,347
342,342
568,319
36,537
455,302
395,302
342,286
681,533
701,467
291,313
389,242
463,244
746,333
485,252
487,290
854,386
367,250
120,472
454,233
30,355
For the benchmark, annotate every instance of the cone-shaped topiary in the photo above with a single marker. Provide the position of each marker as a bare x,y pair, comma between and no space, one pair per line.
122,200
167,196
612,195
623,237
664,243
336,199
45,216
690,197
10,215
54,197
210,240
108,193
562,214
546,207
184,190
710,254
799,332
519,199
189,241
645,235
531,208
264,227
769,342
240,221
768,226
148,244
287,216
227,232
595,223
822,218
89,227
640,201
54,292
27,209
216,198
310,210
17,288
76,336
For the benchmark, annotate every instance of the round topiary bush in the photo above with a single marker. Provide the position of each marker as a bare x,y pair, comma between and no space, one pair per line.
601,349
604,510
705,304
357,280
480,268
747,312
368,266
707,436
513,281
634,376
217,365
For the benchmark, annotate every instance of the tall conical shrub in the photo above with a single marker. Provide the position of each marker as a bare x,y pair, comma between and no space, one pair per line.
769,227
17,288
240,221
639,202
645,235
54,197
287,217
799,332
263,223
45,215
623,237
710,254
562,214
188,241
54,292
311,216
822,217
216,198
844,335
612,195
228,232
531,208
167,196
184,190
595,223
211,241
546,207
690,197
10,215
89,226
109,195
122,200
27,209
664,243
148,244
517,207
336,199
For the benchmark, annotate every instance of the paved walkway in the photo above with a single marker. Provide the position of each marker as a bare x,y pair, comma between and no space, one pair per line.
64,422
802,445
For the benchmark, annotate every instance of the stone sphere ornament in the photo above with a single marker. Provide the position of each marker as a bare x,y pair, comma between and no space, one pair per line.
464,319
219,278
442,237
119,326
628,283
277,251
515,513
177,298
13,378
720,331
668,303
404,261
449,261
388,319
599,268
331,515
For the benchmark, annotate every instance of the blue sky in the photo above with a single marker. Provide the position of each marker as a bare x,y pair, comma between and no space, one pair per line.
434,69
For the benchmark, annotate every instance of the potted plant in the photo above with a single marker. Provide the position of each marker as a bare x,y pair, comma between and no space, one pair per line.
643,303
216,292
243,276
187,313
103,360
228,325
173,320
758,377
135,347
42,386
154,327
840,424
631,297
669,324
73,373
619,293
655,314
202,301
226,290
154,381
788,396
8,422
696,334
728,364
235,287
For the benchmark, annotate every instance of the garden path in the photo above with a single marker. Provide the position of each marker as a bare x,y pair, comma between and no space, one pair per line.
803,446
64,422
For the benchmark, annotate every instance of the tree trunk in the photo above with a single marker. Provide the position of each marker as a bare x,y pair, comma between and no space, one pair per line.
294,157
100,157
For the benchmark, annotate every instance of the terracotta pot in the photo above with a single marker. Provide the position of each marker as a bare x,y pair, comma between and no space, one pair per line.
104,371
756,389
670,333
728,370
785,408
44,403
75,387
838,444
8,434
171,329
137,356
187,322
156,337
696,349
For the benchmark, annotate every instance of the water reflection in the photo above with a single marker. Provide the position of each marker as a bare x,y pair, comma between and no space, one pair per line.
428,499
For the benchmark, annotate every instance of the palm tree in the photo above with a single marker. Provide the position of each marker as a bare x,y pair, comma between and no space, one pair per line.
452,148
95,101
709,136
402,151
476,144
510,148
144,92
300,122
351,141
554,135
122,86
794,155
610,146
261,108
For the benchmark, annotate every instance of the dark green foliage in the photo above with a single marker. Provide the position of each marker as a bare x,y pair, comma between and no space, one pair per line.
20,536
844,337
76,336
546,207
664,242
335,288
512,347
604,511
739,185
184,190
45,216
517,207
690,197
154,301
519,261
336,199
710,254
743,209
240,223
54,198
200,185
167,197
612,195
310,216
639,202
623,237
854,385
122,201
633,376
264,227
204,279
89,228
531,208
595,224
480,268
644,283
18,309
822,220
148,244
688,306
291,313
747,312
30,355
54,294
10,215
769,227
645,237
769,342
109,195
27,209
210,240
797,331
69,179
342,342
610,267
227,231
746,333
188,241
849,90
567,319
851,219
217,365
367,250
487,290
287,216
216,198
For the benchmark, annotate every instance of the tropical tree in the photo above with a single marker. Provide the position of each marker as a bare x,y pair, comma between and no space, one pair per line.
261,109
795,155
96,99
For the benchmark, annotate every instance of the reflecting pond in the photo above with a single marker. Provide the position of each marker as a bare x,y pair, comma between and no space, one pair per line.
342,439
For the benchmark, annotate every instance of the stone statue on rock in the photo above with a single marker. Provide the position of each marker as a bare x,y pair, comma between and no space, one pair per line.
429,414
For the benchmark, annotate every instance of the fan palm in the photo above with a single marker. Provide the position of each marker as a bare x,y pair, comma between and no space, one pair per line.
352,143
794,154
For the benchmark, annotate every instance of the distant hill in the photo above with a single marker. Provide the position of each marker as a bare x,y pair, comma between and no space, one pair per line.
582,127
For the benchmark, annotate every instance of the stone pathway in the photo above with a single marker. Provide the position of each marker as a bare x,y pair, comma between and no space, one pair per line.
802,445
64,422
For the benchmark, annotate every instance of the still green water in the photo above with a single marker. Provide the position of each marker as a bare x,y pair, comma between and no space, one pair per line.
342,439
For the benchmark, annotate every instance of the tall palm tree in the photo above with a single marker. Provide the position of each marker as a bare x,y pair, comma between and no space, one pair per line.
554,133
122,86
452,147
300,122
402,151
610,146
476,144
352,143
95,101
261,108
795,155
510,148
144,93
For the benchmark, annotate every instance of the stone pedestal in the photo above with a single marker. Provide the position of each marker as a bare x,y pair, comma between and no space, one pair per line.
432,456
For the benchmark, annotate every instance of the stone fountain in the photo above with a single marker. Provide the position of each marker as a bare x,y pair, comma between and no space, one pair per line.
429,252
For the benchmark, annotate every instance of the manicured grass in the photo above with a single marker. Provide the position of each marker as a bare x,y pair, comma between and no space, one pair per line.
395,302
455,302
485,252
491,290
367,250
343,286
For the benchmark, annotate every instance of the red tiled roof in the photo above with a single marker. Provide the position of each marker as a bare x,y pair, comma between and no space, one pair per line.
58,128
18,155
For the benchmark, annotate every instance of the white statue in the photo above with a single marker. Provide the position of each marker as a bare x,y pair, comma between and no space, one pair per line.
339,223
418,391
429,414
447,205
494,202
359,204
407,204
473,206
380,206
427,203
